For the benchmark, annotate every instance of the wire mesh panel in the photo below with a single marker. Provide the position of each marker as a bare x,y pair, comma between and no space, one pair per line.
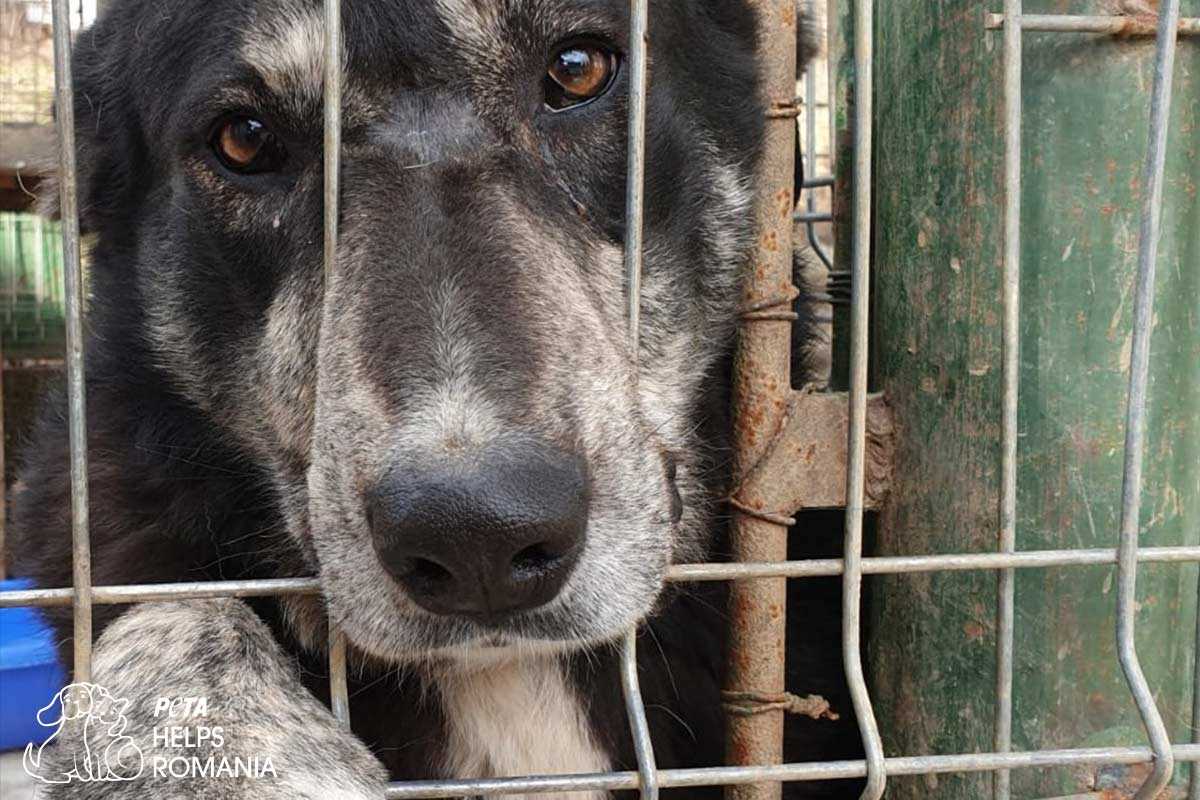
760,581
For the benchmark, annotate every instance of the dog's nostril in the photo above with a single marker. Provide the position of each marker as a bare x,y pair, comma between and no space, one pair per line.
429,571
533,560
425,577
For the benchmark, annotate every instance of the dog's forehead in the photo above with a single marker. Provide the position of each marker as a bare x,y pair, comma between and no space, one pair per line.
283,40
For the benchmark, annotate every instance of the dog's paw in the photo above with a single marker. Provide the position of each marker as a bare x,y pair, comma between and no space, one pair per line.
196,701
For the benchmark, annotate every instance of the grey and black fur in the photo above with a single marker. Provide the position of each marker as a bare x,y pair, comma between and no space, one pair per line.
241,407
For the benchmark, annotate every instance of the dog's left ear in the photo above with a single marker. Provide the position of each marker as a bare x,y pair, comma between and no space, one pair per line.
105,126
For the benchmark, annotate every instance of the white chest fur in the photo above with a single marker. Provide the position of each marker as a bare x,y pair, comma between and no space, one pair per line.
517,718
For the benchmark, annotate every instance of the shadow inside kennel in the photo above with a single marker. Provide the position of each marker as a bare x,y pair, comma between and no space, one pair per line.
814,661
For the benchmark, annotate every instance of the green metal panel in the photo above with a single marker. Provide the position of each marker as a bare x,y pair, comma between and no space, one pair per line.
938,239
31,287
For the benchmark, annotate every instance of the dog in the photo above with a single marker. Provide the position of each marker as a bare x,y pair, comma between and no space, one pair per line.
451,429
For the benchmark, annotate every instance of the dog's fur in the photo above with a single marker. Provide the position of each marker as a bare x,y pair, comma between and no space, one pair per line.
240,403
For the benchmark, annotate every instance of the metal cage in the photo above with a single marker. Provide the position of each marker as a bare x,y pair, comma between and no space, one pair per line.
760,576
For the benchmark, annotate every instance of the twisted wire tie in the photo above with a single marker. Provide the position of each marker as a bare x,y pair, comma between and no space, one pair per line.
748,704
775,307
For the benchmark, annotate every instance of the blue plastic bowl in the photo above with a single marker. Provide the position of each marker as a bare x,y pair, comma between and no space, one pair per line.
30,674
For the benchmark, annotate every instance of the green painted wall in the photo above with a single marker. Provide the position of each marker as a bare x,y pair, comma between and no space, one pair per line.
937,348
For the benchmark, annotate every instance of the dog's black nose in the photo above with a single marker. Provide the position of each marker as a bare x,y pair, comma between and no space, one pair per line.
490,534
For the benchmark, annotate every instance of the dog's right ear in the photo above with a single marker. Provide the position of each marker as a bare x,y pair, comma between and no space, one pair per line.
106,128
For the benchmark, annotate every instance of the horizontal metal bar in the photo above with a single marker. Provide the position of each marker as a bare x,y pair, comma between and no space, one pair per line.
893,565
816,568
819,181
155,592
812,216
1114,24
814,771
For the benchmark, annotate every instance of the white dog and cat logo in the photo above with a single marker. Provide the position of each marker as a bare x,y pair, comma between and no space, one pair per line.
90,741
103,753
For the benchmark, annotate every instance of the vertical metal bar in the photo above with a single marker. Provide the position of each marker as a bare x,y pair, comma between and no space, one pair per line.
856,467
1135,419
333,129
635,709
635,187
81,551
810,155
761,387
636,164
1194,778
1006,579
338,693
339,699
634,191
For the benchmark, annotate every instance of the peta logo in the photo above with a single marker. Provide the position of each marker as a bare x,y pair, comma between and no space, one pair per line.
97,719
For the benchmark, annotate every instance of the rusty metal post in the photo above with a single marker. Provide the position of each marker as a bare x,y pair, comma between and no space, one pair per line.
761,389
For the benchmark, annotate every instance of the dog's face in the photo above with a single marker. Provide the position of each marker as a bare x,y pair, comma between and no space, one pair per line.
464,443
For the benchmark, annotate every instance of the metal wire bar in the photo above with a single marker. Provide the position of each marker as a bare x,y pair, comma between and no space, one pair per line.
338,692
810,158
1135,419
809,217
1194,778
634,192
1006,578
339,698
814,771
898,565
635,709
333,130
1114,24
818,182
154,592
857,448
81,551
816,568
635,165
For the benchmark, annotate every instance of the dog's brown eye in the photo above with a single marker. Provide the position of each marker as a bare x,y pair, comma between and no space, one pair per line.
580,72
243,144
